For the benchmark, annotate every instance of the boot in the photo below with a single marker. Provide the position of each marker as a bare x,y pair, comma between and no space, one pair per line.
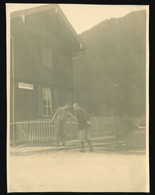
90,146
82,147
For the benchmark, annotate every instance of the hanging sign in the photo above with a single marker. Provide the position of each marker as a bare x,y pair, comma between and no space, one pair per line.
25,86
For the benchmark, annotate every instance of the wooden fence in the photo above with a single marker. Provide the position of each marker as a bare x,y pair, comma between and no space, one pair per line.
43,131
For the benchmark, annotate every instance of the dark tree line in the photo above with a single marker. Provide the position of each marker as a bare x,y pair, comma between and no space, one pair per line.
110,79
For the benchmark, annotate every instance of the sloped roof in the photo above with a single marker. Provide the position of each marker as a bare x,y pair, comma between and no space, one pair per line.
41,8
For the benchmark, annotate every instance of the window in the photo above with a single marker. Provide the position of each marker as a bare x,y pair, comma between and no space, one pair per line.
47,57
47,102
44,101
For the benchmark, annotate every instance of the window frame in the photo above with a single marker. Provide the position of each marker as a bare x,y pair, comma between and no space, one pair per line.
48,94
40,97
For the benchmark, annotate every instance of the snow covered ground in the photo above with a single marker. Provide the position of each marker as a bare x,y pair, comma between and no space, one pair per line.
70,170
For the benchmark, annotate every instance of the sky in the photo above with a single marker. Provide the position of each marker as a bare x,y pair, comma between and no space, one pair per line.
83,17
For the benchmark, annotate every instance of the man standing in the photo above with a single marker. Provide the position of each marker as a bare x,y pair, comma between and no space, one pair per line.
83,124
60,118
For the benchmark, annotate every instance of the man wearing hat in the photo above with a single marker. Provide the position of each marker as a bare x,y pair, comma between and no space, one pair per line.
83,124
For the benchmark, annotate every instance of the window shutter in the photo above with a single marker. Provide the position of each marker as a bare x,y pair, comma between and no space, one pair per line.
40,101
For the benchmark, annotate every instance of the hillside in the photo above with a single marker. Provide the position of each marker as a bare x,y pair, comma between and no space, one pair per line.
110,79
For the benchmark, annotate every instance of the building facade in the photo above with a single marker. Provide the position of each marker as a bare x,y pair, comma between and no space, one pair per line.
43,44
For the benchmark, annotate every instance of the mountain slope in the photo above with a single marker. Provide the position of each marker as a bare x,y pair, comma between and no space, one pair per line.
110,79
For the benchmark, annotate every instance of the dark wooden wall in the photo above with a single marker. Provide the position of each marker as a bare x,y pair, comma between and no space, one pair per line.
29,39
40,30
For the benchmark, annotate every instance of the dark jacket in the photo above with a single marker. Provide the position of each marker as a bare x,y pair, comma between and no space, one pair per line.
82,118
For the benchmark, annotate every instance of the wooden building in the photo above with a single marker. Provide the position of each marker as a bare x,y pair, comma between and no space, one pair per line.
43,44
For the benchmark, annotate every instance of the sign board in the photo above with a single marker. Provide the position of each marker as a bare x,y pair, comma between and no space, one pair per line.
25,86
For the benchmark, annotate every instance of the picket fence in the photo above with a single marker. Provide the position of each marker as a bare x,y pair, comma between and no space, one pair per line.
44,131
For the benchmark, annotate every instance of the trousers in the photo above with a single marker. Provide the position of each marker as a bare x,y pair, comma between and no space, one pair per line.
60,131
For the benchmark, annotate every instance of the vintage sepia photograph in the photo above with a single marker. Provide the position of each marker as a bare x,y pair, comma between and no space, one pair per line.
77,98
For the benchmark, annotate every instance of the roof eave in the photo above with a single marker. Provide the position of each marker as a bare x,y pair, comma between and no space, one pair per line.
48,7
73,31
33,10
